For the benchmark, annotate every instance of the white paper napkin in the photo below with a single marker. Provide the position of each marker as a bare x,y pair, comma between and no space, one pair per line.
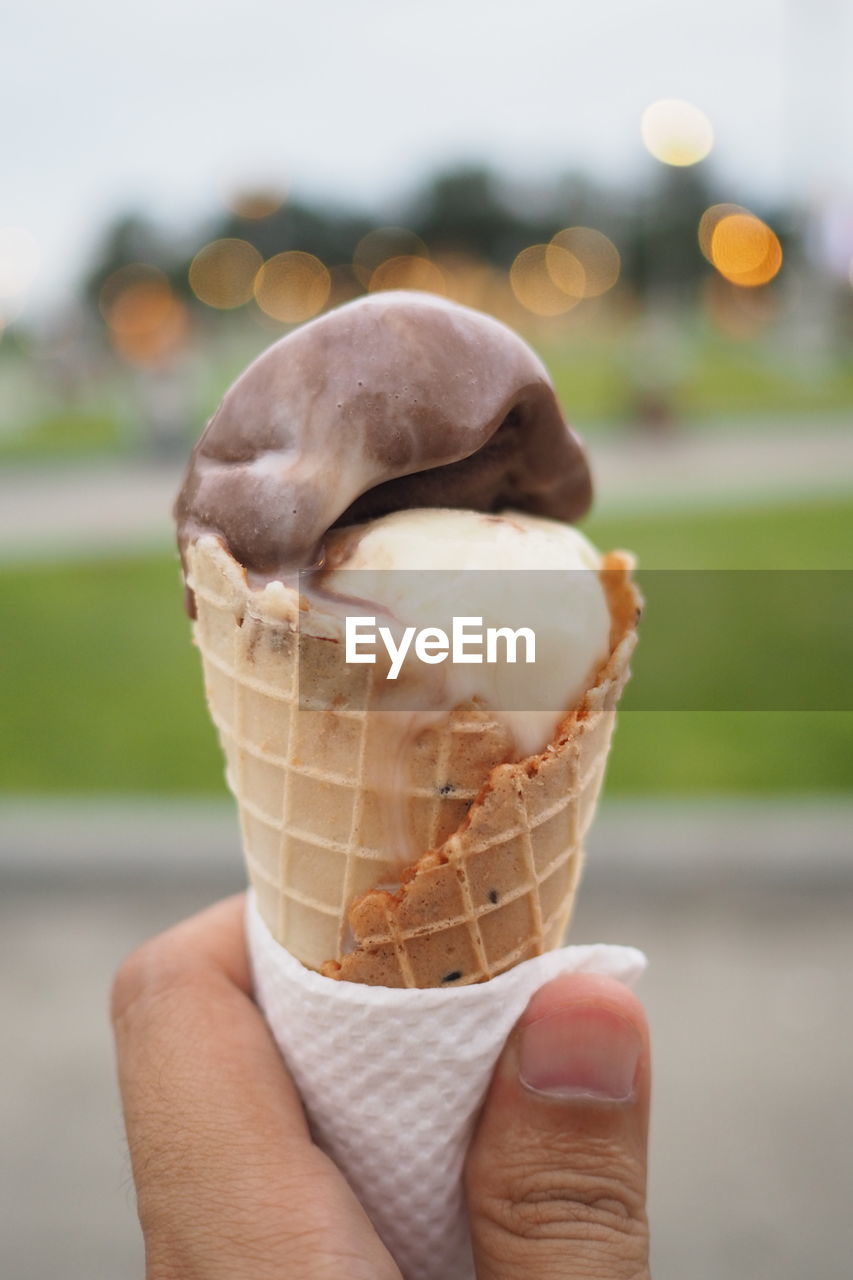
392,1081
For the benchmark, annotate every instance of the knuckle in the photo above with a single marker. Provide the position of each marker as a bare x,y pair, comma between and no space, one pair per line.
545,1206
597,1193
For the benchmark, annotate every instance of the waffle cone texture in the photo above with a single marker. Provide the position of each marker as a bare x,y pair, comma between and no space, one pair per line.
446,866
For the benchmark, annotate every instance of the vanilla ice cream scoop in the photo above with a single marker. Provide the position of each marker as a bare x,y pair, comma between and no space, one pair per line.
441,572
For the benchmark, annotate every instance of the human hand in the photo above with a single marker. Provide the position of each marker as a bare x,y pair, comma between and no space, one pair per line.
230,1185
556,1173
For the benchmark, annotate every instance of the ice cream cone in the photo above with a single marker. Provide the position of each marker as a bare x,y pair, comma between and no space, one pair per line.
495,846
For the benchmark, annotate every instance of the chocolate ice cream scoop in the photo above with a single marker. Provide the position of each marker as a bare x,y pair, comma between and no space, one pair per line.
396,400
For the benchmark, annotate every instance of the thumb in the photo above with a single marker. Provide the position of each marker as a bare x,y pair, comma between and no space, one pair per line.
556,1173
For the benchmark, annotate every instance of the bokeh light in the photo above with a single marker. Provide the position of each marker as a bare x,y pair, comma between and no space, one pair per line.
19,261
676,132
126,277
408,272
566,270
532,279
222,274
594,252
254,203
380,245
745,250
708,223
292,286
146,321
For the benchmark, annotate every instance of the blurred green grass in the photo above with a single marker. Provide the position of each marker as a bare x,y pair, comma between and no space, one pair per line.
771,535
102,689
734,751
600,378
61,435
705,376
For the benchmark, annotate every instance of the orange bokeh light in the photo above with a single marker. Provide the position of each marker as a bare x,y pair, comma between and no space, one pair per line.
292,286
708,223
146,322
222,274
408,272
593,252
566,270
254,203
745,250
533,278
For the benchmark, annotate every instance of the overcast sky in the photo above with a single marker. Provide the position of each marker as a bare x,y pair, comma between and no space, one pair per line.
108,105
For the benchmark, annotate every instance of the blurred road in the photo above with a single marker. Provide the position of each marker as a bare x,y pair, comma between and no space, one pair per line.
744,910
105,507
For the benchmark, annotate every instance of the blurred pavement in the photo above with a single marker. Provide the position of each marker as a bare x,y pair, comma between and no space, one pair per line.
743,908
104,507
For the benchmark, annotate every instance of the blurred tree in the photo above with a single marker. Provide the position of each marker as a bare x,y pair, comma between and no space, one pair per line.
662,255
580,202
330,233
131,237
464,210
469,209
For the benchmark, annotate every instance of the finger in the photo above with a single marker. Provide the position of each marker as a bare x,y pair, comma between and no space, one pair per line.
228,1181
556,1174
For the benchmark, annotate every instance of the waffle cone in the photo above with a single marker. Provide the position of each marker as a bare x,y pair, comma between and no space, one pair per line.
494,847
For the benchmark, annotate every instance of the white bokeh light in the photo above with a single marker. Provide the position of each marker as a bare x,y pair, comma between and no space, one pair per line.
676,132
